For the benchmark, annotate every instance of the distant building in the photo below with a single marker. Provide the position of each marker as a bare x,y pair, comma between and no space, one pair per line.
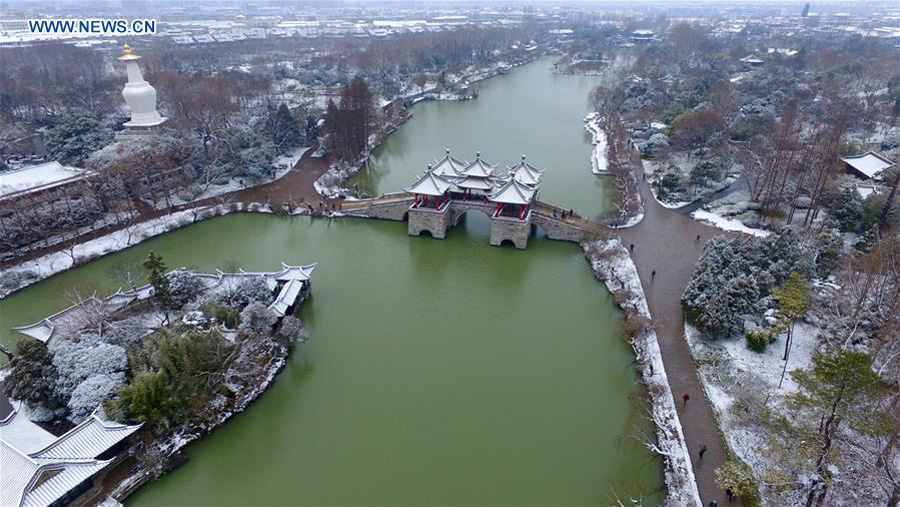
642,36
868,166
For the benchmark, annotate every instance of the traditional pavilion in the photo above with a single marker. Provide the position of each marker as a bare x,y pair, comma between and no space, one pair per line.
448,166
513,199
38,469
432,186
526,174
477,177
444,193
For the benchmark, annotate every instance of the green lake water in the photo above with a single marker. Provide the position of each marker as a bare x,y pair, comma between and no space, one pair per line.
438,372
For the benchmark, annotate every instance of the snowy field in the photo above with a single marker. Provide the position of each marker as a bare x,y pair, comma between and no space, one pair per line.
285,163
732,374
599,162
727,224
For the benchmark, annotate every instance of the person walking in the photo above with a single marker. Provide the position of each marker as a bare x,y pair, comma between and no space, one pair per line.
729,494
653,275
686,397
632,248
702,450
697,240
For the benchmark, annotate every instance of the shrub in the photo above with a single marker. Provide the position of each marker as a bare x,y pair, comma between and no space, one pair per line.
32,376
738,477
90,393
248,291
256,321
76,361
228,317
758,340
183,287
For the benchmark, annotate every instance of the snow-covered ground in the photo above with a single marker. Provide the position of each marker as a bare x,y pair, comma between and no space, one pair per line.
599,163
611,264
285,163
728,224
731,374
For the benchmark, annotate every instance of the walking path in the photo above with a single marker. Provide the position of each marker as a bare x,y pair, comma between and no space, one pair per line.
665,242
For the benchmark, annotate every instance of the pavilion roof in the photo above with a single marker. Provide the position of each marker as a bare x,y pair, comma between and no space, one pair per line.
513,192
39,469
448,165
430,184
479,168
523,172
473,183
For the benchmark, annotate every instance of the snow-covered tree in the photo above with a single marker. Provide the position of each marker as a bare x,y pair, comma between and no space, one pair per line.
256,321
91,392
839,403
75,135
247,291
292,329
77,361
32,376
183,287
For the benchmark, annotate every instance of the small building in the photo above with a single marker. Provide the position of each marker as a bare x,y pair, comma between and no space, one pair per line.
39,469
642,36
41,178
868,166
752,61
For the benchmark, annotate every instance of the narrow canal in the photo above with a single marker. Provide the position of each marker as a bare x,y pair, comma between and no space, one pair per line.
438,372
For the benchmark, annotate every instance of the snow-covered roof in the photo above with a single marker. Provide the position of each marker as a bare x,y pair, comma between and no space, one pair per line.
19,432
448,165
89,439
869,163
38,478
286,297
38,177
473,183
429,184
479,168
525,173
513,192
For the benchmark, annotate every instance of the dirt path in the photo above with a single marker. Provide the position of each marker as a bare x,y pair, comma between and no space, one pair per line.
666,242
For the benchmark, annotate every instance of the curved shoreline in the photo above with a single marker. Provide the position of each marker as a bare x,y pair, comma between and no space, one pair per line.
680,482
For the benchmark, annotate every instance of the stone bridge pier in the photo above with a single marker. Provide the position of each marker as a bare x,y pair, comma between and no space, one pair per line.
510,229
435,221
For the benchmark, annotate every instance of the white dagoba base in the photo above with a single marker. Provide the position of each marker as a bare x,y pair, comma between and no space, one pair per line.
148,122
133,132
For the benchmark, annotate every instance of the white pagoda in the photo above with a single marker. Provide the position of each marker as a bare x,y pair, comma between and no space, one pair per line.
139,95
